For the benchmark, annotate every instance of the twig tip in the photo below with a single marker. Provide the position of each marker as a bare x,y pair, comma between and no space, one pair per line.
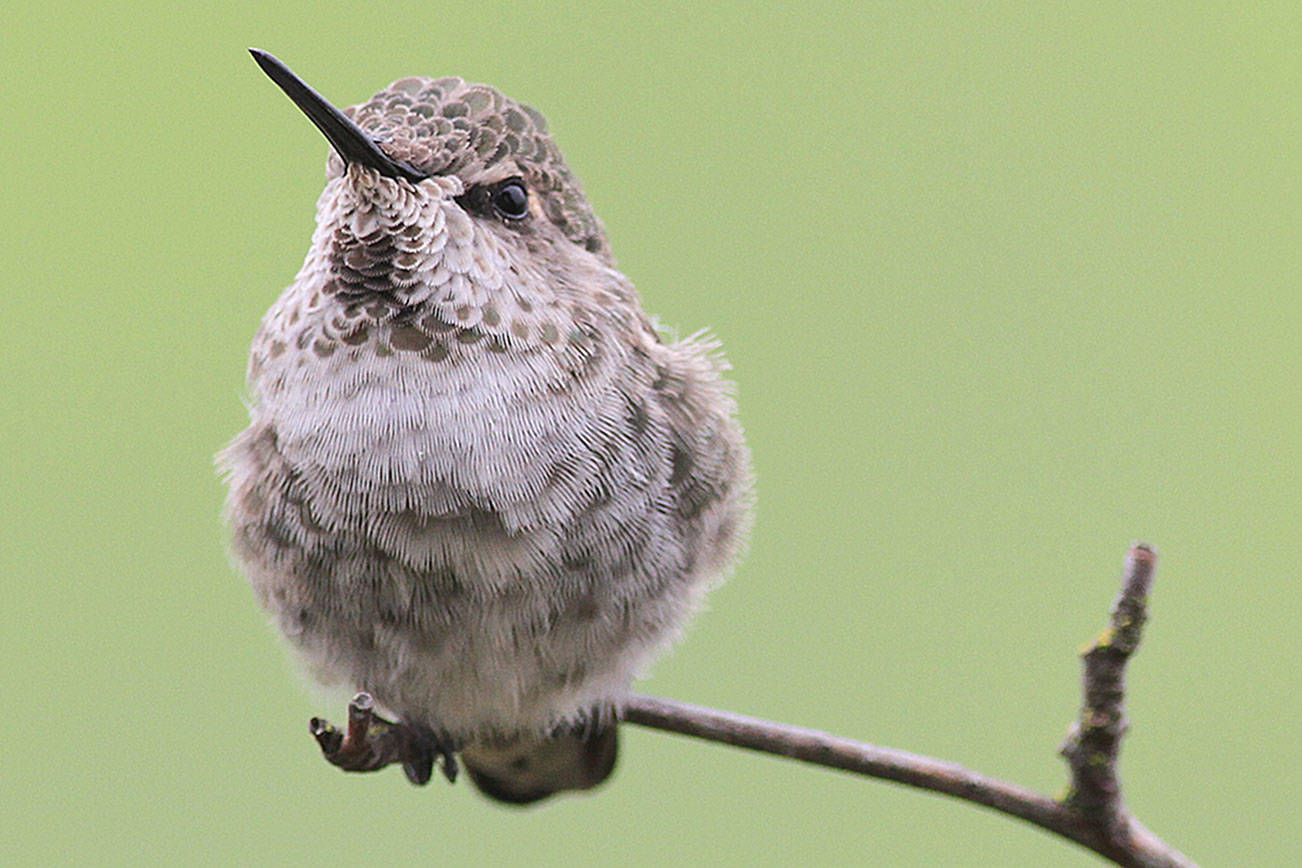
1142,551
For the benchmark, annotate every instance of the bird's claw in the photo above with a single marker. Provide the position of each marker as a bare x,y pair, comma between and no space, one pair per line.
370,743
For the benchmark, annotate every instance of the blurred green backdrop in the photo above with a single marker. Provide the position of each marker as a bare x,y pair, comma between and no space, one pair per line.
1004,289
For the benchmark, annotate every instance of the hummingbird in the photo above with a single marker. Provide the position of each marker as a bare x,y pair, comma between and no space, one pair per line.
479,482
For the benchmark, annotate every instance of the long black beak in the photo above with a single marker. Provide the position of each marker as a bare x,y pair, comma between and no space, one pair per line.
348,139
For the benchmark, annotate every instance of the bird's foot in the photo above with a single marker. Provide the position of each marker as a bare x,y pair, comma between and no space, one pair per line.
431,745
370,743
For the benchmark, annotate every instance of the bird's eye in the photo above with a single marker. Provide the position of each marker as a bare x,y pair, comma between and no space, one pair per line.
511,200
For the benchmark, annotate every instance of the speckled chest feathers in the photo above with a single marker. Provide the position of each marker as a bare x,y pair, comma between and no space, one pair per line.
478,482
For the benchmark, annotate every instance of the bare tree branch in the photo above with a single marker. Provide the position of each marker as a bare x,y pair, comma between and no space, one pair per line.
1092,813
1094,742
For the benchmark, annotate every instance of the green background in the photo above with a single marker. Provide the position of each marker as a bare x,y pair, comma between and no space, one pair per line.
1005,288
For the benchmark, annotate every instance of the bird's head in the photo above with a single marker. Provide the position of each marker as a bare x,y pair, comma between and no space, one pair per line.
449,208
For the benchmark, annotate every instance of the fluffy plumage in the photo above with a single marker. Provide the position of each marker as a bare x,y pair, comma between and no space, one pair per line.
478,483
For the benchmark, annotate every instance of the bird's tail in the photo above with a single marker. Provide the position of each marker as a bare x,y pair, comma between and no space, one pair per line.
526,770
